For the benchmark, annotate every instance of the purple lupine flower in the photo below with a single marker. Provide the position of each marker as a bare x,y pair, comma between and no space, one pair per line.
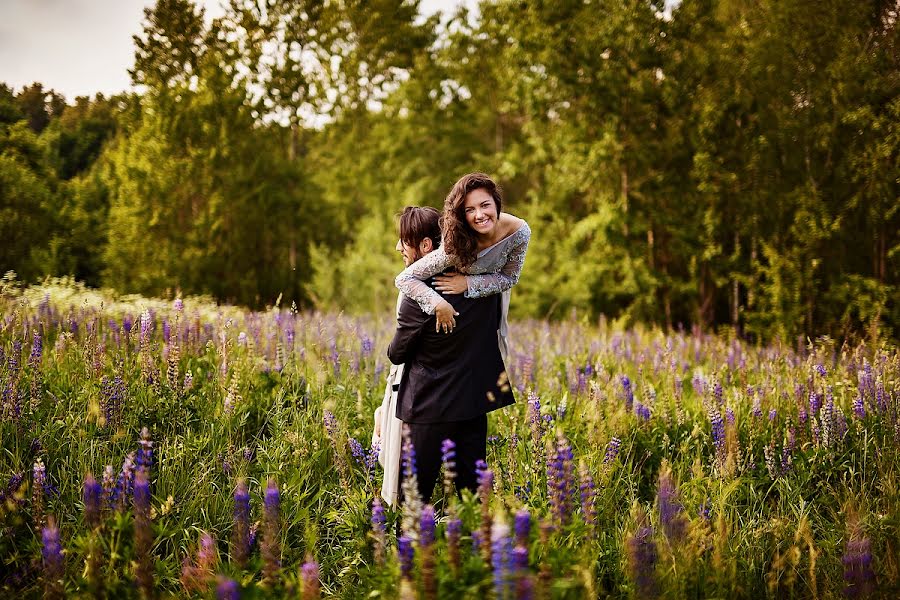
271,547
145,452
227,589
729,415
143,535
91,496
858,572
718,429
642,558
124,483
454,532
241,532
718,393
612,450
642,410
705,510
51,552
501,558
485,478
242,339
309,574
627,393
534,416
378,529
331,423
426,526
859,408
820,369
366,345
524,581
815,402
773,414
588,498
485,489
522,526
188,383
112,397
108,486
127,324
448,460
37,350
358,452
426,540
39,480
560,481
670,509
757,402
178,305
167,330
406,553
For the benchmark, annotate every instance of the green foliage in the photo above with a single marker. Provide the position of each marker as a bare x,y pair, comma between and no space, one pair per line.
770,514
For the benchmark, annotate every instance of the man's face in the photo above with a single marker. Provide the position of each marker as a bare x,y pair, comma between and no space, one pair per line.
411,254
408,253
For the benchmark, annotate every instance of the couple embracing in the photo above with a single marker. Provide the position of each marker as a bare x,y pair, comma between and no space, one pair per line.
449,351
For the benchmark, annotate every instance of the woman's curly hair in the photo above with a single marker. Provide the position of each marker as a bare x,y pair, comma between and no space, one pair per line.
460,242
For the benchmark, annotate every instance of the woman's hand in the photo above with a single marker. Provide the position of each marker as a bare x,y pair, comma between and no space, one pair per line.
454,283
378,422
444,314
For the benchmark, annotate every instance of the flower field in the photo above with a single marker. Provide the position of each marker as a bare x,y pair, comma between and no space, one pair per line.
154,448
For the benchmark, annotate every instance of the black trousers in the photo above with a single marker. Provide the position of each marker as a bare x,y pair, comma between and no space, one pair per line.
470,438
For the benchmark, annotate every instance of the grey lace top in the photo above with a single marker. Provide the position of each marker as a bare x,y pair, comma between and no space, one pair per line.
495,271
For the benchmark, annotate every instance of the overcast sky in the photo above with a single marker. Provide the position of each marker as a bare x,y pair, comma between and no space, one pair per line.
81,47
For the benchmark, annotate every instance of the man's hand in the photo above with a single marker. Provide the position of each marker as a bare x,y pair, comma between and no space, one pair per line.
454,283
444,314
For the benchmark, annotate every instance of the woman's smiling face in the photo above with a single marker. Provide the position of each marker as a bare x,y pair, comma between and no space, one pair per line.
481,212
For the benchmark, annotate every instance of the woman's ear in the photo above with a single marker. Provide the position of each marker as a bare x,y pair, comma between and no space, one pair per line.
425,246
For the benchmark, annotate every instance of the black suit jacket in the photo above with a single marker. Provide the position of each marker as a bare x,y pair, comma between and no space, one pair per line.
450,376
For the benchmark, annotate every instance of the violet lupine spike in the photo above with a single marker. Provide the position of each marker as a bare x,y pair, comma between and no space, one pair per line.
271,542
627,393
561,481
143,535
426,541
37,350
91,496
448,460
454,533
406,553
670,509
858,572
309,575
588,499
612,450
485,489
642,559
501,559
145,451
522,526
426,526
378,529
51,552
227,589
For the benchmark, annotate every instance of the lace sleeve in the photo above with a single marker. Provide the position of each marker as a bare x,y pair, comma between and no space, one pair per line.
495,283
412,280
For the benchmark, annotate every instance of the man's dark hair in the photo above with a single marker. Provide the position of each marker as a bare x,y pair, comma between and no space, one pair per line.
418,223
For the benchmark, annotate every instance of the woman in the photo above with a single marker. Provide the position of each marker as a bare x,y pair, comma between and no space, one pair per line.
487,249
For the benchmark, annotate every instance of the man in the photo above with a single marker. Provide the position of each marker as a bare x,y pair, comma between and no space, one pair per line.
420,233
449,384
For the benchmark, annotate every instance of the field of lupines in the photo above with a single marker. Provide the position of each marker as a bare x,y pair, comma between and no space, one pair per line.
157,448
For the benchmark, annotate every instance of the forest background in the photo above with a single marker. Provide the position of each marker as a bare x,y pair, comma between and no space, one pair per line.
716,163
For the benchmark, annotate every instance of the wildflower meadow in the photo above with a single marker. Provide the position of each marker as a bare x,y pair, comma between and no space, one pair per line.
159,448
